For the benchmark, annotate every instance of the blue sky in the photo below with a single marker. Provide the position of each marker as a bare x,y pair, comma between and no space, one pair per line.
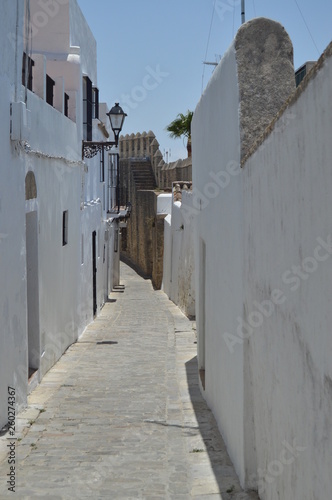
151,52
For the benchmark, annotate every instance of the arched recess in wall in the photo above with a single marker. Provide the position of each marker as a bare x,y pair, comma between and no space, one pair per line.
30,186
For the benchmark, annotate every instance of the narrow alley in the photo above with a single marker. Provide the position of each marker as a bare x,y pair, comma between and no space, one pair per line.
121,415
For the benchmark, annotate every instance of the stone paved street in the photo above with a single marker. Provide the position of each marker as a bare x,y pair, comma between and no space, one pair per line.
120,416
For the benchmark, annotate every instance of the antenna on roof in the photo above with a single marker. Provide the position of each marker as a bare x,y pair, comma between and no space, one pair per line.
243,15
213,63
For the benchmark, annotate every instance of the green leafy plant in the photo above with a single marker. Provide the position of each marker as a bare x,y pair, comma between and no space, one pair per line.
181,126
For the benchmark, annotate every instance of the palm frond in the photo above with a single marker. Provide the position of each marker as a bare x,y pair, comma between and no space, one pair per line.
181,125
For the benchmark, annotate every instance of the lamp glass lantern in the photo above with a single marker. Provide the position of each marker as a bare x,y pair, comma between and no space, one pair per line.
117,118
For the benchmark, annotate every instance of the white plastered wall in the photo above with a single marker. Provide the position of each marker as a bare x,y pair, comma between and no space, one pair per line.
13,304
216,148
267,235
53,154
178,266
287,210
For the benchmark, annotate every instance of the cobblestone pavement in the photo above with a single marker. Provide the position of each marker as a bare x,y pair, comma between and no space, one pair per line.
120,416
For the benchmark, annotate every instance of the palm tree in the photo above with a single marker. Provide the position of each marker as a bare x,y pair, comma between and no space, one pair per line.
181,126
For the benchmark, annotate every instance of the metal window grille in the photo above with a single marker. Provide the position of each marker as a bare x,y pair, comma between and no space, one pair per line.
87,108
95,102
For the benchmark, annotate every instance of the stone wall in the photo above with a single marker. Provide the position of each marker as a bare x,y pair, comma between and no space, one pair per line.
168,173
145,146
143,175
143,239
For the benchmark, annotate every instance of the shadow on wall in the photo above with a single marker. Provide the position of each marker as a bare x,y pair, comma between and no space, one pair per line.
223,469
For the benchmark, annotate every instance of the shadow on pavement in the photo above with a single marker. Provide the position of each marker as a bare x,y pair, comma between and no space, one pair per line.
223,469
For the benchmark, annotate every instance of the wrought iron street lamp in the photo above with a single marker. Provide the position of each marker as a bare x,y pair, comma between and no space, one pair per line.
91,148
116,117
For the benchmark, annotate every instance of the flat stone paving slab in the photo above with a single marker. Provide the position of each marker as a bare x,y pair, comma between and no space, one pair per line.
120,416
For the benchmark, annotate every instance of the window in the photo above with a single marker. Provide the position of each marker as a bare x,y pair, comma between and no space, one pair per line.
112,182
27,64
105,241
116,240
87,109
65,228
66,99
303,71
95,102
102,166
49,90
300,74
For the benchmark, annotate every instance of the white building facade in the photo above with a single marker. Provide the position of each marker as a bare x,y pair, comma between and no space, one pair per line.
178,259
59,254
263,269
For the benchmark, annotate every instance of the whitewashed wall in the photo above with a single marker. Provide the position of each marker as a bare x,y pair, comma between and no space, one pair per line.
263,302
287,207
13,303
79,26
58,189
219,286
186,263
60,186
164,203
62,283
178,266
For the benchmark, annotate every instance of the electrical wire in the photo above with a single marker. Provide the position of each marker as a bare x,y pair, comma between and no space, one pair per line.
26,148
208,42
312,38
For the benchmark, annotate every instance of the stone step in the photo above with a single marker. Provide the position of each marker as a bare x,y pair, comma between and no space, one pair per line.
142,178
143,175
143,169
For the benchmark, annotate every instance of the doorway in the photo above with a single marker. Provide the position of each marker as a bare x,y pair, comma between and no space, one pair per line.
202,311
32,292
94,271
